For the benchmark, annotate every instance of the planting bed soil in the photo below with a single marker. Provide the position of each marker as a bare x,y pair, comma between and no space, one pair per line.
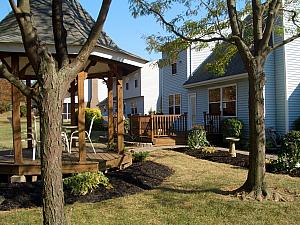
134,179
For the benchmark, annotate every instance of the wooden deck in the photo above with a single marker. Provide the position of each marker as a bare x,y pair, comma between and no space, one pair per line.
100,161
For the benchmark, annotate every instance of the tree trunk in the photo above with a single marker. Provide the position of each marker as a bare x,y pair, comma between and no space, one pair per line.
50,108
255,182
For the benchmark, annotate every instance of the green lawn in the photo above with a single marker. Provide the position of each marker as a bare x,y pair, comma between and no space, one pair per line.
190,196
6,141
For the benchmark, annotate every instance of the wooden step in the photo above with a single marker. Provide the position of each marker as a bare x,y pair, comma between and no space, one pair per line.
169,141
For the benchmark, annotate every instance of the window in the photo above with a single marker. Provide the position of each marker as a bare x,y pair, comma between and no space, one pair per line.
133,107
174,68
135,83
174,104
127,85
222,101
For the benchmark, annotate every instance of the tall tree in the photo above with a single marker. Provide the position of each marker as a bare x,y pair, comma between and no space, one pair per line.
50,92
244,27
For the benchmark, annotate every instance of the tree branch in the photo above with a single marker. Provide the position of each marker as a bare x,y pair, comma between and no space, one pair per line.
174,30
233,19
286,41
274,7
29,34
17,82
78,64
60,34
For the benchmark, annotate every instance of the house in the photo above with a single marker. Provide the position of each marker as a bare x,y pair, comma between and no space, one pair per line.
140,91
173,97
197,91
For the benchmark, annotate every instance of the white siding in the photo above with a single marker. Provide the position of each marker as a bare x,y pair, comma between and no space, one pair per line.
292,61
150,86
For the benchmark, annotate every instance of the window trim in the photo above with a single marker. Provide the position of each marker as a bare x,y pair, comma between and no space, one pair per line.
174,105
174,69
127,85
221,98
136,85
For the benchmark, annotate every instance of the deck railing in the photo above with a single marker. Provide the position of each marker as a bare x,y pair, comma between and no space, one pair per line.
212,123
153,126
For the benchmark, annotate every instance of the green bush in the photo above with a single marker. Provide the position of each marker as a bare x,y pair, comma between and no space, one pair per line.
89,114
289,154
197,138
140,156
5,107
297,124
111,147
84,183
23,110
232,128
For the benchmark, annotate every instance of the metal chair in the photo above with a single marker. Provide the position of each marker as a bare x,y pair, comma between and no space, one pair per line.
74,135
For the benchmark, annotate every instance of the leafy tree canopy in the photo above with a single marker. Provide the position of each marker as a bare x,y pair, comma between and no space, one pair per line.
196,23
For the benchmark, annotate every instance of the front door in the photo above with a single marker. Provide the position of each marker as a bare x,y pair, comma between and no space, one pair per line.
192,110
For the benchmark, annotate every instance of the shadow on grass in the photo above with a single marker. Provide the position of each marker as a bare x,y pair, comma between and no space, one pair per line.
196,191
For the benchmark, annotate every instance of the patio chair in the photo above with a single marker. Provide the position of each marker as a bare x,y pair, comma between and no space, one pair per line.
74,135
31,136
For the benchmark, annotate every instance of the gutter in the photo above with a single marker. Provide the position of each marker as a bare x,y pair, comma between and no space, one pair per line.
217,80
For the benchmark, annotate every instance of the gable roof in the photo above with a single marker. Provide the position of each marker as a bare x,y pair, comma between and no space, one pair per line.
201,74
77,22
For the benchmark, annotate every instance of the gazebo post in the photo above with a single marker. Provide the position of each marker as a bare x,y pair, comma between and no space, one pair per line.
29,119
81,116
73,108
110,102
120,116
16,121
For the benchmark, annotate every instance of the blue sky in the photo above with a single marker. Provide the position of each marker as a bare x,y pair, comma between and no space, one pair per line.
126,31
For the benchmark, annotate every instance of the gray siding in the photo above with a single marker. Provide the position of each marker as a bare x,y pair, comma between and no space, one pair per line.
270,100
280,88
172,84
242,100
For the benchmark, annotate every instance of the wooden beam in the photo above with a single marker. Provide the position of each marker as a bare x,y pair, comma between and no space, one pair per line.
81,116
73,90
29,119
110,102
16,121
120,115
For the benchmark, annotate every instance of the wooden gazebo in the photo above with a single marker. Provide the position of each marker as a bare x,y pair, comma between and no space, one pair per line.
107,61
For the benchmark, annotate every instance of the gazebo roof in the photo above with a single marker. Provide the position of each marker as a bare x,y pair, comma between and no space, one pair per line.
78,24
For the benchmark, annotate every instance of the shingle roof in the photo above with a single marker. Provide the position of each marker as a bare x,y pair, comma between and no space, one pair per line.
201,74
77,22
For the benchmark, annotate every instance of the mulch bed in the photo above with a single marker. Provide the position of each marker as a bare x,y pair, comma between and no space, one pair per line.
224,157
132,180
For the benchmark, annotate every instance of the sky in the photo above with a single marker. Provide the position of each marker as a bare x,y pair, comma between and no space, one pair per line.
125,31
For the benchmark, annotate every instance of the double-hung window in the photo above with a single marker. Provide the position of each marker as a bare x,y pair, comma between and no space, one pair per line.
133,107
222,101
175,104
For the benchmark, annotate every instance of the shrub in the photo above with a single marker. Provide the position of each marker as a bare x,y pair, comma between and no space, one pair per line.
5,107
140,156
289,154
23,110
111,147
232,127
89,114
84,183
197,138
297,124
126,126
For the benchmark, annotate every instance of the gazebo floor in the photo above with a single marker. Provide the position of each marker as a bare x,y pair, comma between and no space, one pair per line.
99,161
